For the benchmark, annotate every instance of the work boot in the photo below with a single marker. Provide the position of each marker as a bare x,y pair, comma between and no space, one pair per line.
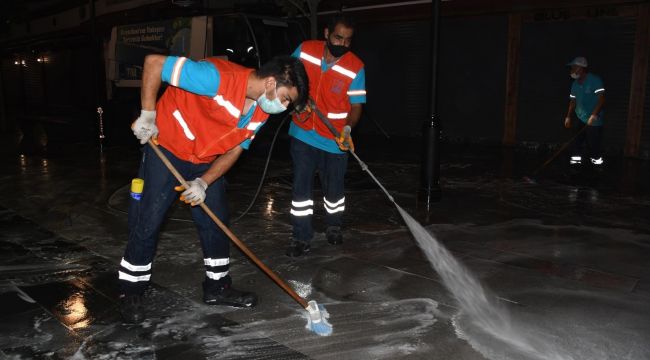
297,248
334,235
597,163
131,308
225,294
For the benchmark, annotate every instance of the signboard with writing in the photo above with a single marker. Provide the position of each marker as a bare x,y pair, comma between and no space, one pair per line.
134,42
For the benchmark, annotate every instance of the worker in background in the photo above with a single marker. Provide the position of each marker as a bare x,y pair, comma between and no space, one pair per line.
337,92
587,99
203,122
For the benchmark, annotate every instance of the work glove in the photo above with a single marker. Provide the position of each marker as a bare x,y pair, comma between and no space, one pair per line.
144,127
592,119
344,141
567,122
194,194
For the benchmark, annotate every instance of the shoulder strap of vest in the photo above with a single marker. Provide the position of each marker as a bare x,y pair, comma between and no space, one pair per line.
315,48
352,61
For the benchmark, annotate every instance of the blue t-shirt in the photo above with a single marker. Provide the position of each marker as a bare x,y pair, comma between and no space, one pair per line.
311,137
201,78
586,96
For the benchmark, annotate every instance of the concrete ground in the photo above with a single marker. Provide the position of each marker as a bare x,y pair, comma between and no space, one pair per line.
565,260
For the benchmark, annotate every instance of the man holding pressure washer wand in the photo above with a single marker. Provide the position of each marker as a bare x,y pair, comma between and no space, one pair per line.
337,91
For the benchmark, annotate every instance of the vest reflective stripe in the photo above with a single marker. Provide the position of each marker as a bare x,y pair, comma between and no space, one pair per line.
356,92
228,105
253,125
125,264
216,275
131,278
216,262
181,121
310,58
598,161
344,71
599,90
302,212
176,72
302,203
337,115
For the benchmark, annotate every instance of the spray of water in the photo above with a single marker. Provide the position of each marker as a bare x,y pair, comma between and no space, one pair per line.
480,306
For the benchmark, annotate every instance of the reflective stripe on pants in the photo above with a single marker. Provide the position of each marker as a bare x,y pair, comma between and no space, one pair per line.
331,169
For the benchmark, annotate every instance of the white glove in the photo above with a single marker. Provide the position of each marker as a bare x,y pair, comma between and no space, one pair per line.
195,193
592,119
145,127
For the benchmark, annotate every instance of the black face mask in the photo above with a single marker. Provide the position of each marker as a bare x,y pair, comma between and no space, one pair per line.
337,50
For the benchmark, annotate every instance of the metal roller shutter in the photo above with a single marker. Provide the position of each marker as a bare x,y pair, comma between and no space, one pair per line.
33,83
644,151
472,74
396,57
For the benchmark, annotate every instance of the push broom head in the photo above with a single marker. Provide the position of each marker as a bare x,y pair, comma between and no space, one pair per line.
317,319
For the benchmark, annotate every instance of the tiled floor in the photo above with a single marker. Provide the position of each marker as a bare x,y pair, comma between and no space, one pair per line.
566,257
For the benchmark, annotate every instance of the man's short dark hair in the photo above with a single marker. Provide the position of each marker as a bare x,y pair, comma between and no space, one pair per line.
288,71
340,19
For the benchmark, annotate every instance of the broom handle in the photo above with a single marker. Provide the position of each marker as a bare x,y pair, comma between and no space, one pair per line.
230,234
560,150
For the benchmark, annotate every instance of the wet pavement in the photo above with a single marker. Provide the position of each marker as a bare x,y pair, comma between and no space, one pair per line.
567,256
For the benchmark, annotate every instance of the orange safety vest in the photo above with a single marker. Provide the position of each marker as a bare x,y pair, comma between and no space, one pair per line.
329,89
198,128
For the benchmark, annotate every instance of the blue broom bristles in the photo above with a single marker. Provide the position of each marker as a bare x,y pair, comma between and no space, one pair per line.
317,319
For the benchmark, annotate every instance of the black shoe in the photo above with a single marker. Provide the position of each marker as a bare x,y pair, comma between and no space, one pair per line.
227,295
131,308
334,235
298,248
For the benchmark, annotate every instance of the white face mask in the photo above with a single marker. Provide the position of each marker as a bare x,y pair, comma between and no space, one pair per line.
575,76
271,106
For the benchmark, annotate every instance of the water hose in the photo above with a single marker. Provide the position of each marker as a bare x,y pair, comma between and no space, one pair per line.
266,166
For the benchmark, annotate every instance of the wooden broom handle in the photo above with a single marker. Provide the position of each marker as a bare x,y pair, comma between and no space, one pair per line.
230,234
559,150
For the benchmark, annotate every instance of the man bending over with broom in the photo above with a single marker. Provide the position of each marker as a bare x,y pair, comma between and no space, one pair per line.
203,122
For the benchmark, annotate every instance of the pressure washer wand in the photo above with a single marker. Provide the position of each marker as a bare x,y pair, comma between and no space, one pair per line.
346,133
364,167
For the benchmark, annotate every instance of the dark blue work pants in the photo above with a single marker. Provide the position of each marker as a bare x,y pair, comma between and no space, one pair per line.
147,215
331,170
587,144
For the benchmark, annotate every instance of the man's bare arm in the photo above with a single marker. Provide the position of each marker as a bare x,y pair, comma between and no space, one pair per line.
354,115
151,81
222,164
